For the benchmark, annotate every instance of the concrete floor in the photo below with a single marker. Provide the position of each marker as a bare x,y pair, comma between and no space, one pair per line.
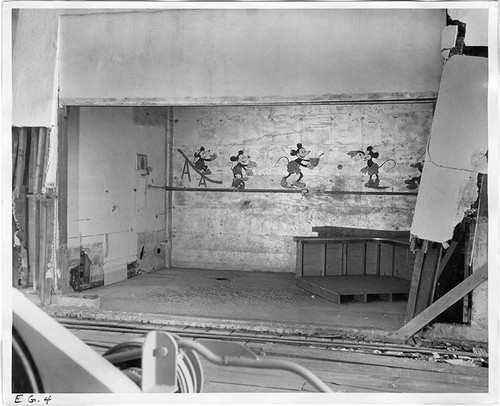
249,300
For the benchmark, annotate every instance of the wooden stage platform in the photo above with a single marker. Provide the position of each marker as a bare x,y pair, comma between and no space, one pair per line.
362,288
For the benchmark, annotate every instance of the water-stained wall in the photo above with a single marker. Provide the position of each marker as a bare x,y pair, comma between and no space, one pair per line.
112,215
254,231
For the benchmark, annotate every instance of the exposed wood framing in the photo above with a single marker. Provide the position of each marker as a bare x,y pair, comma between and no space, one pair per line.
20,161
49,203
62,200
443,303
423,279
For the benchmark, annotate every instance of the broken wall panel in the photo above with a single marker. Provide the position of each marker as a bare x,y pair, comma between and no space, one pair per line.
457,149
476,24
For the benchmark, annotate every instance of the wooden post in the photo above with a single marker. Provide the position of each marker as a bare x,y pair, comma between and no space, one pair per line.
323,259
49,249
42,263
15,144
32,212
443,303
415,282
62,200
299,266
20,162
37,182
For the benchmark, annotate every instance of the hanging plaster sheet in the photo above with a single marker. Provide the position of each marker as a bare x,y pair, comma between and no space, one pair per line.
456,150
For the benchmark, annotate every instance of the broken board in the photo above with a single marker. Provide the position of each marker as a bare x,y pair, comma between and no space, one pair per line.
362,288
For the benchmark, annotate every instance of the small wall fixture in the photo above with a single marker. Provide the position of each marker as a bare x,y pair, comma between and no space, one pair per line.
142,162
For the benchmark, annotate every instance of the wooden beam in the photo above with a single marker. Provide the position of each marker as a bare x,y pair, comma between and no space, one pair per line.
20,162
446,258
443,303
62,199
415,282
49,248
299,265
37,182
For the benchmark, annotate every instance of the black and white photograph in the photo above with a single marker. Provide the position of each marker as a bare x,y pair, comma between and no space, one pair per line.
250,202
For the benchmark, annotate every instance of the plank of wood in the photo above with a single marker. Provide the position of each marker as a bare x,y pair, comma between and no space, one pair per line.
427,278
333,260
299,266
43,248
415,282
32,238
62,185
313,259
444,261
40,159
32,158
49,247
21,161
318,290
323,259
366,359
264,378
225,387
443,303
15,144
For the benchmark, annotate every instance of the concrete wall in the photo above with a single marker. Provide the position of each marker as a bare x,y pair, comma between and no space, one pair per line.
181,57
254,231
112,216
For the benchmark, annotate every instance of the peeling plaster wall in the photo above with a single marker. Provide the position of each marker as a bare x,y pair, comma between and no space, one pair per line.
111,214
456,150
254,231
181,57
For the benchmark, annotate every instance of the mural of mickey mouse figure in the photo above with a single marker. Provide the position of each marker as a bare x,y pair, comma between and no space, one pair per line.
295,166
201,157
414,182
241,171
371,168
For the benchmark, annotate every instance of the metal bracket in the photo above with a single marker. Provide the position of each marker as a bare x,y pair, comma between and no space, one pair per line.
159,363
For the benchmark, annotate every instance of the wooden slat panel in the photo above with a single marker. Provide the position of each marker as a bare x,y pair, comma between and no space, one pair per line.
334,260
313,259
355,259
299,265
20,162
415,282
400,262
386,264
371,259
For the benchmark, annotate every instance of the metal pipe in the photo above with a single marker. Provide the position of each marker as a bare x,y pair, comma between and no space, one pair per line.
256,363
302,191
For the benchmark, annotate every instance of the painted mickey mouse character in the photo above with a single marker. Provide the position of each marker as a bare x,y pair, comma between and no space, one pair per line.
414,182
202,157
241,170
295,166
371,168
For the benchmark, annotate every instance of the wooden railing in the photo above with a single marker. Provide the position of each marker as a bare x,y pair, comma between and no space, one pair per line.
339,256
